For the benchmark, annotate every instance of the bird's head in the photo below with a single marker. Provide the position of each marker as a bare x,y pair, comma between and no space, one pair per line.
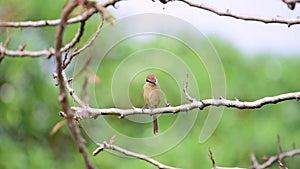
151,79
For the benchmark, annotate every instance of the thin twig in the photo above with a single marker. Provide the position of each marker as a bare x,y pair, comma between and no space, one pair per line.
281,162
90,42
228,13
212,159
71,90
76,38
273,159
185,86
5,44
255,163
105,145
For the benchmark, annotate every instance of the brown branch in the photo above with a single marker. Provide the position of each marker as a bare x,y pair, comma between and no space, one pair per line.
110,146
46,52
83,17
49,52
61,83
25,53
228,13
212,159
76,38
71,90
5,43
190,106
90,42
187,95
281,162
273,159
255,164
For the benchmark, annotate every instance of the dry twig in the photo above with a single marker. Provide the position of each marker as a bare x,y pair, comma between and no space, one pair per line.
228,13
113,147
94,112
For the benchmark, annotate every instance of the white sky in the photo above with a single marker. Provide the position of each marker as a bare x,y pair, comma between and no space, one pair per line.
250,37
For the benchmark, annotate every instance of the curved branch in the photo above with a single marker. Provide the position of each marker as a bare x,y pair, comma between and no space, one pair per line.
228,13
89,43
110,146
76,38
94,112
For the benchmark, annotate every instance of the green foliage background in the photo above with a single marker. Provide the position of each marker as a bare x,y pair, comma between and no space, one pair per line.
29,107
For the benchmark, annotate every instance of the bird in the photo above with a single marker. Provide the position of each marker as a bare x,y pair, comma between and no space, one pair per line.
152,97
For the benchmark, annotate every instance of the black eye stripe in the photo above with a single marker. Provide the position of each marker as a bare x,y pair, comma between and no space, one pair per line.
150,82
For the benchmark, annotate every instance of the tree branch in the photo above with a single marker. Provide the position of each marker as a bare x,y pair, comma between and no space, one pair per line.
273,159
62,92
89,43
228,13
49,52
76,38
83,17
94,112
110,146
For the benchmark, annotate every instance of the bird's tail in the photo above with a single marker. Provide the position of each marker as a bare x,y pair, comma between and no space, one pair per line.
155,124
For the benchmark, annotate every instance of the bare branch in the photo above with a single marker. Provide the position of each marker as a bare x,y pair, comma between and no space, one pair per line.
89,43
212,159
61,83
255,163
83,17
49,52
187,96
273,159
281,162
71,90
5,43
25,53
197,104
228,13
105,145
76,38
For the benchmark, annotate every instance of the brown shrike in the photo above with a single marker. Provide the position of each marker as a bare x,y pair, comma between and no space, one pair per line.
152,96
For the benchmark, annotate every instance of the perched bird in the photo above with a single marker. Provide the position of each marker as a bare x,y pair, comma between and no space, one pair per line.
152,97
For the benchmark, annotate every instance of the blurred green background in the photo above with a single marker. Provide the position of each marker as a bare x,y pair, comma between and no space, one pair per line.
29,107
